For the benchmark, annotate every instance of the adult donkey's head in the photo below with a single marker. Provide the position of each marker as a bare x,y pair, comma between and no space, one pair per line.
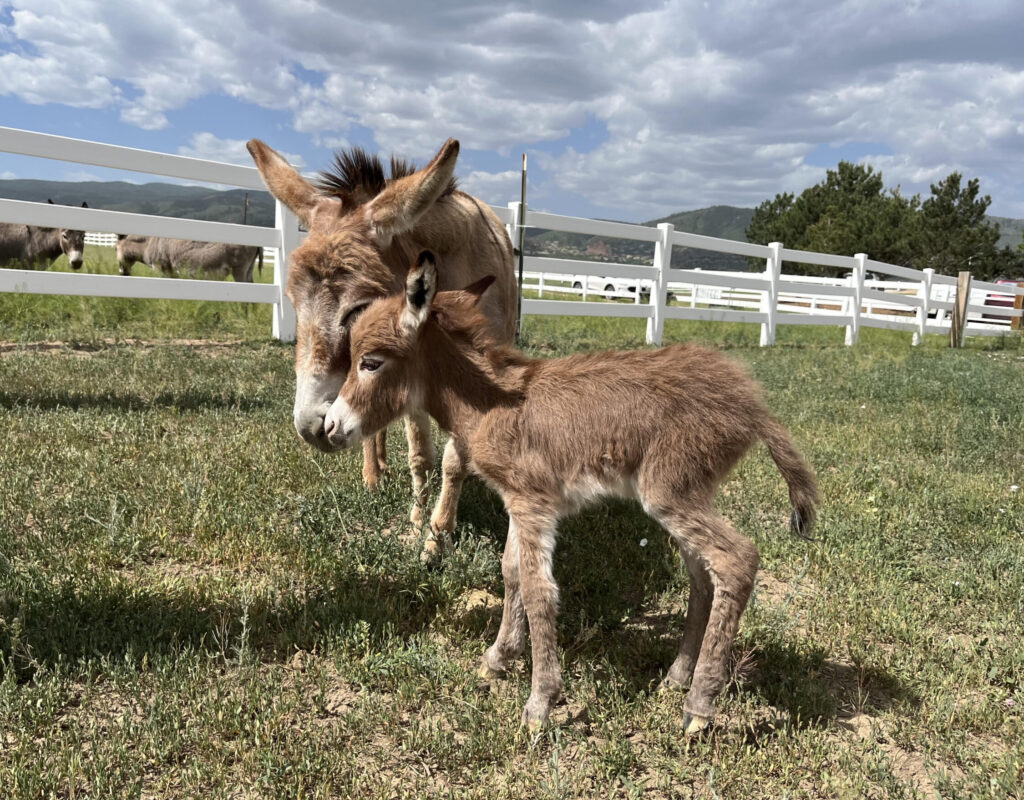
72,242
355,252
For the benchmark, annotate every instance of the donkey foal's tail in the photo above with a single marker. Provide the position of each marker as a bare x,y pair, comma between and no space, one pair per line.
803,489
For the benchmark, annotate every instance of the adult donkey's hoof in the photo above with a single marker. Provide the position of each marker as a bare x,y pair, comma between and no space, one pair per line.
487,673
694,724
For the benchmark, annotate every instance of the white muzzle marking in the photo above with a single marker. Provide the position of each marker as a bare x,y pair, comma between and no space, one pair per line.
313,397
343,423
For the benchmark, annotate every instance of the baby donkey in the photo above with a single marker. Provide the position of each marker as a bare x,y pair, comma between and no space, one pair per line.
549,435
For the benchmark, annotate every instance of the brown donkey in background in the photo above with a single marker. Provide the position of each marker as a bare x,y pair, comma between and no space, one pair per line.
662,426
365,226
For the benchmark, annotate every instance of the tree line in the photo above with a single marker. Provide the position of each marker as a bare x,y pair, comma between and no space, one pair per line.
851,212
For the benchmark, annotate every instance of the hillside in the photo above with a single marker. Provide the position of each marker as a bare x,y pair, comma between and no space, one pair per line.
1011,231
164,199
197,202
724,222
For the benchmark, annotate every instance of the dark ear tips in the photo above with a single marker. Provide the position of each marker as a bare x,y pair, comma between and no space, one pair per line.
425,257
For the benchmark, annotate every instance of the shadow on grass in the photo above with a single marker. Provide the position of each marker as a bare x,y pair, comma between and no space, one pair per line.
186,400
120,620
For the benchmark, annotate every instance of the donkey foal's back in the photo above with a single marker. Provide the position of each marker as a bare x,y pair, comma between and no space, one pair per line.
662,426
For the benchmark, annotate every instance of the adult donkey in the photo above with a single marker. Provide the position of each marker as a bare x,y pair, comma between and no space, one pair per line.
188,257
365,228
30,246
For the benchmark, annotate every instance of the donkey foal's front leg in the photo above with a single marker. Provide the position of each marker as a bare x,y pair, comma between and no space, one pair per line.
540,597
375,460
454,467
511,637
421,459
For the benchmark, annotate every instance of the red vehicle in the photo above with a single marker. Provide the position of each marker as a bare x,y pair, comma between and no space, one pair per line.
1004,300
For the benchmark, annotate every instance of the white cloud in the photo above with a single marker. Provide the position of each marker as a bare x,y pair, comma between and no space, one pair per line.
694,103
496,188
230,151
7,175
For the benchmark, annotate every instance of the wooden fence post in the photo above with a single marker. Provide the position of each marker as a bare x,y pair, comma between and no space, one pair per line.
287,225
963,296
1018,303
925,293
662,263
857,282
770,298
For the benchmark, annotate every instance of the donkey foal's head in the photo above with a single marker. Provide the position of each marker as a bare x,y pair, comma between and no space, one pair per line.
390,357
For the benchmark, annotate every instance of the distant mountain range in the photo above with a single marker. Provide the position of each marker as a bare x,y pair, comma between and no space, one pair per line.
164,199
196,202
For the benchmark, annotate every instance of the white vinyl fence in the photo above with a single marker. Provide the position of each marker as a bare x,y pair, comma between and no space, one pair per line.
282,238
866,294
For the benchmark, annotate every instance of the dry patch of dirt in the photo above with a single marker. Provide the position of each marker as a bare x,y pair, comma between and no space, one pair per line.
910,767
87,349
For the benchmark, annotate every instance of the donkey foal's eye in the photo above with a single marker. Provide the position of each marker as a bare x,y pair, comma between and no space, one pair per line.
369,364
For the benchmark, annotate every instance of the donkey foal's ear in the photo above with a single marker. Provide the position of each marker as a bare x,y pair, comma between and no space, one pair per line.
420,287
477,288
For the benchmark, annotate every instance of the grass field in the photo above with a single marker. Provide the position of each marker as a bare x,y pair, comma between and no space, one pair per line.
195,604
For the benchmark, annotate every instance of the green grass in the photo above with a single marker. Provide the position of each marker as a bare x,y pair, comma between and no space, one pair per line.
195,604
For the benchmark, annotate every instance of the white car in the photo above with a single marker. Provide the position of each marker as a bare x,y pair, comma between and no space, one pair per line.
611,287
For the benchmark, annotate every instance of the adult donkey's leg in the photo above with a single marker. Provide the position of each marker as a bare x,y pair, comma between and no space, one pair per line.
454,467
421,459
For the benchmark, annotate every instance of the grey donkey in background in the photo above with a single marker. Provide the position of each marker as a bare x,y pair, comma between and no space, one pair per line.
31,246
187,257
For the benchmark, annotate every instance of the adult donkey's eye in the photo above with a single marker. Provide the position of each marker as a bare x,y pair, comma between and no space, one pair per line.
370,364
351,314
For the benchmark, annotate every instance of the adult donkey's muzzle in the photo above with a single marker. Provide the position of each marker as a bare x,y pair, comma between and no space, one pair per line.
313,398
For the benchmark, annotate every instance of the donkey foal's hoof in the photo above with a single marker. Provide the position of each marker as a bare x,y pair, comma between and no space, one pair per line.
432,549
694,724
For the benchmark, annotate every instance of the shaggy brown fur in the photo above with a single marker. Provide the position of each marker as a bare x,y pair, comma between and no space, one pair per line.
662,426
364,229
29,246
184,256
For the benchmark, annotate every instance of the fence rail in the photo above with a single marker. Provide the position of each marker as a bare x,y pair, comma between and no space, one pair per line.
903,299
917,301
282,238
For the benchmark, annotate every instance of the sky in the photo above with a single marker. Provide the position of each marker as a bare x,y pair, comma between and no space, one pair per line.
627,109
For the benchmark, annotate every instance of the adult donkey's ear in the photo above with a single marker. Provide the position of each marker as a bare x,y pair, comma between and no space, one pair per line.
400,206
284,182
420,288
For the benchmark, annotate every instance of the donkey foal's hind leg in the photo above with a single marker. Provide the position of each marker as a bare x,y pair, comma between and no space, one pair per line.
698,608
731,561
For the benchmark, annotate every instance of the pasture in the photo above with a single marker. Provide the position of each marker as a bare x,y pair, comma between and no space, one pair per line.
195,603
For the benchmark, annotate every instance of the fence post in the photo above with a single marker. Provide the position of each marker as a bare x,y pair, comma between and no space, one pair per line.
662,263
960,301
857,282
287,225
1018,304
770,298
925,293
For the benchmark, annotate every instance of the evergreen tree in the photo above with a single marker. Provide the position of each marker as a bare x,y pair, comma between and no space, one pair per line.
852,212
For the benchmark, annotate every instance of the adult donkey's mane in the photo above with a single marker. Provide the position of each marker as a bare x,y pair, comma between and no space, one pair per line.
357,176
